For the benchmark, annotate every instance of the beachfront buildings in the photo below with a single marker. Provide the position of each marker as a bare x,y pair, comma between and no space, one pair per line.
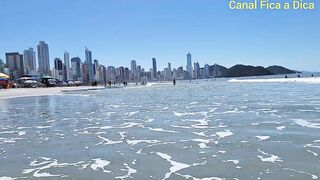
66,69
76,69
111,73
133,70
89,74
206,71
189,66
154,68
57,71
196,71
1,66
43,59
168,73
14,61
29,61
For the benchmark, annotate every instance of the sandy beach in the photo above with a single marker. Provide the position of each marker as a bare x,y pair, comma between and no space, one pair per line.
27,92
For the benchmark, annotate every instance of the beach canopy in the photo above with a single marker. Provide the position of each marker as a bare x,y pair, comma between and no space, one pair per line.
4,76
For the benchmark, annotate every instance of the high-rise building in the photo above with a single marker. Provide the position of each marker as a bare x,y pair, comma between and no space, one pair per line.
154,68
133,70
85,73
102,74
167,73
43,59
76,68
111,73
174,73
126,74
88,62
138,73
58,69
189,65
196,72
120,74
96,69
67,74
14,62
180,73
29,61
1,66
206,71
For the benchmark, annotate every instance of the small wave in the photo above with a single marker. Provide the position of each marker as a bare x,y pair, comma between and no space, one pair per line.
310,80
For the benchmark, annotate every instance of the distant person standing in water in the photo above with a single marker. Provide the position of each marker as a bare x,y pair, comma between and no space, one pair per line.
286,76
311,75
174,81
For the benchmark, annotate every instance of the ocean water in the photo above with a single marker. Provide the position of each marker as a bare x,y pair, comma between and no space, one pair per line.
195,130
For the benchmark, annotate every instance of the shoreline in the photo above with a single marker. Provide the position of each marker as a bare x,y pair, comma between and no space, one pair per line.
33,92
307,80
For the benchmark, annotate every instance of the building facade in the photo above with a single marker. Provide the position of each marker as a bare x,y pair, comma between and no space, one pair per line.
29,61
76,68
89,64
67,71
15,65
154,68
43,59
189,65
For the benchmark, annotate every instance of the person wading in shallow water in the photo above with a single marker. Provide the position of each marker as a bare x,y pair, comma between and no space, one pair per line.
174,81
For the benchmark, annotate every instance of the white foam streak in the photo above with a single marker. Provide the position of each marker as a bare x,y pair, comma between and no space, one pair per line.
7,178
304,123
161,130
100,164
129,170
224,134
135,142
272,158
262,138
108,141
175,166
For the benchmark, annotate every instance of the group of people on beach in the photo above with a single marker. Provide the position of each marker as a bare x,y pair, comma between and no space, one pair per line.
286,76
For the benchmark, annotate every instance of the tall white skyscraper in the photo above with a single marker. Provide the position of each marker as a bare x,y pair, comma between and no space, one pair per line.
43,59
67,66
189,65
29,61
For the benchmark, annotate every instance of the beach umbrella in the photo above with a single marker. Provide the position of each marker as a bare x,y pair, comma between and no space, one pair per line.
4,76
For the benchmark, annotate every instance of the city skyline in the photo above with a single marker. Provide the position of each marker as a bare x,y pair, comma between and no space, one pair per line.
120,31
87,71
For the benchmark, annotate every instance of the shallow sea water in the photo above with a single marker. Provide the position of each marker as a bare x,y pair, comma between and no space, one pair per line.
195,130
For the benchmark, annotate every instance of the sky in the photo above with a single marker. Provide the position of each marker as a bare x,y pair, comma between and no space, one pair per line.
118,31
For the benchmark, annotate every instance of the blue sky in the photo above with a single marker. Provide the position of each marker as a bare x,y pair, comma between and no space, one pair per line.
118,31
